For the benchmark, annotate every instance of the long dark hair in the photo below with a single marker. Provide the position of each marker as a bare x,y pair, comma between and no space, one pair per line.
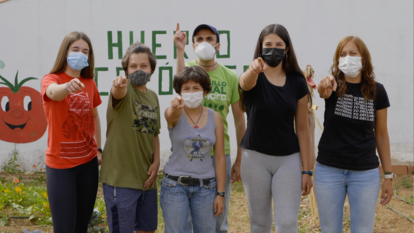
289,63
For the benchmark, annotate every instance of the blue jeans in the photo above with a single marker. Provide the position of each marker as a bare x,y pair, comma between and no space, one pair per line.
177,200
222,221
333,184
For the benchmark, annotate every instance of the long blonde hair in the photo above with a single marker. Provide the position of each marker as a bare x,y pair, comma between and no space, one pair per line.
61,62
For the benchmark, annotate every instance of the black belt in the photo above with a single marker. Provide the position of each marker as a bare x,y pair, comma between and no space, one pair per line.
187,180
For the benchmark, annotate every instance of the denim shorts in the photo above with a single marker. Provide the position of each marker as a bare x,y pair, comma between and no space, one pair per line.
130,209
177,200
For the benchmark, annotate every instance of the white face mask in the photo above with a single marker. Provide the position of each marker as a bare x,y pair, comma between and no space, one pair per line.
205,51
350,66
193,100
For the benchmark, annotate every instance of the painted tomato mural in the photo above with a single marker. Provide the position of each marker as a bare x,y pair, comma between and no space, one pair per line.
22,118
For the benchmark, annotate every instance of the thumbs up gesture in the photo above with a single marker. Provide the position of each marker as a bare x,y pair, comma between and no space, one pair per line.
328,82
180,38
120,82
177,103
258,66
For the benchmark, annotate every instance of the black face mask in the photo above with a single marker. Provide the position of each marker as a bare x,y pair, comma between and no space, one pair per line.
273,56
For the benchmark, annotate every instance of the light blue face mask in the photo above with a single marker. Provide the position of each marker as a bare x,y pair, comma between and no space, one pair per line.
77,60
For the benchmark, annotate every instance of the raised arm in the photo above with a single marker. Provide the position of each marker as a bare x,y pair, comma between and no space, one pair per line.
249,78
326,85
58,92
119,87
175,111
180,40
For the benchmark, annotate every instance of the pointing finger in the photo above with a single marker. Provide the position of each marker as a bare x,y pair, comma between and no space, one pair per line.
260,60
178,27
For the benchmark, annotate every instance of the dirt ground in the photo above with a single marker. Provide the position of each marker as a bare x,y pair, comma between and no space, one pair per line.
386,220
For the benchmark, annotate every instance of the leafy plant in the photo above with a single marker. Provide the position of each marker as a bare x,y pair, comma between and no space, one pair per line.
28,201
406,182
41,179
12,166
96,220
4,220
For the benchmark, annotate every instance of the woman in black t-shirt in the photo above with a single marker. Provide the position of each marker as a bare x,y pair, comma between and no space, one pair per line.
274,94
355,127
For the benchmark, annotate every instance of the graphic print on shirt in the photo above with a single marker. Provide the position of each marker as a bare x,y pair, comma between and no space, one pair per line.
217,98
356,108
76,127
196,147
145,118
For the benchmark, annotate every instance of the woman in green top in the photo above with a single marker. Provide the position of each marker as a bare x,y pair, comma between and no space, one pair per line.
132,150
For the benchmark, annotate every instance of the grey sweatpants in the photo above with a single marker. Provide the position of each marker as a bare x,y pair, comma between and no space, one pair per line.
265,176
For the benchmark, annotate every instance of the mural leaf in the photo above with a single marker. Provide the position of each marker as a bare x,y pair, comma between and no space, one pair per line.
16,83
7,83
23,81
2,65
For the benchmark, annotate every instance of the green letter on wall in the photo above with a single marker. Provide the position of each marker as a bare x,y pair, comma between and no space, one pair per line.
131,37
155,45
228,45
118,70
170,89
97,69
111,45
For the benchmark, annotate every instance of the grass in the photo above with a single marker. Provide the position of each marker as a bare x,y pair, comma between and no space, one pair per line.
406,182
29,199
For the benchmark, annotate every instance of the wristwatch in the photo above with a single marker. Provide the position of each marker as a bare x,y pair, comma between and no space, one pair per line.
100,150
388,175
307,172
221,194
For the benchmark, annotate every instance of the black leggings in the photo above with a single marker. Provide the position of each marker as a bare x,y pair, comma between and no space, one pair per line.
72,195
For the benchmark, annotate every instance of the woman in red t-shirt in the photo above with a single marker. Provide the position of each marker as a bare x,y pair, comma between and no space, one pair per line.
70,100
